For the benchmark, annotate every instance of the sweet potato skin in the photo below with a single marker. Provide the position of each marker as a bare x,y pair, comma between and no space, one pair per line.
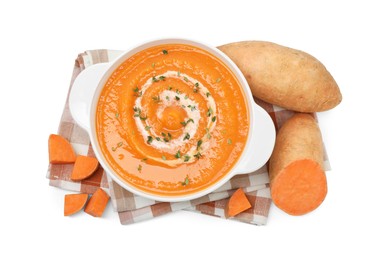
299,138
284,76
299,141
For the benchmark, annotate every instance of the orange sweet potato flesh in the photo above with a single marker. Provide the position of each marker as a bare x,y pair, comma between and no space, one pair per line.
237,203
97,203
297,179
60,150
74,203
83,168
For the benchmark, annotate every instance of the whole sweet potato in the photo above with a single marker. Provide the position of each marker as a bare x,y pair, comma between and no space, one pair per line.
285,77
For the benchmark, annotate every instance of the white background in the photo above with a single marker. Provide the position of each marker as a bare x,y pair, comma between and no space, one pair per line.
41,39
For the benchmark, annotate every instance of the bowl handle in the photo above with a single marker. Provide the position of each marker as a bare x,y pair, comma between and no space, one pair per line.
82,92
261,144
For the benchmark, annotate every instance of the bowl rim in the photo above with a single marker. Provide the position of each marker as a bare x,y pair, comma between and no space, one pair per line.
113,65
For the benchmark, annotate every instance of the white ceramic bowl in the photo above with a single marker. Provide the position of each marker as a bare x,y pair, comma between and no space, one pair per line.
86,90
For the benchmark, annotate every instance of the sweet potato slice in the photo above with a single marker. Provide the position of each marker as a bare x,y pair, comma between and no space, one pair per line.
60,150
84,167
297,179
74,203
237,203
97,203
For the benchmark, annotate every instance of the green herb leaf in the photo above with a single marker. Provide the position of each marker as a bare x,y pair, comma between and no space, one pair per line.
178,154
190,120
186,158
144,159
177,91
156,99
167,98
229,141
179,73
153,65
117,115
154,79
209,112
139,168
186,97
157,138
162,78
199,143
198,155
208,94
196,85
164,158
149,139
120,144
218,80
147,127
186,181
177,98
208,133
165,52
136,89
187,136
143,117
186,79
114,149
214,118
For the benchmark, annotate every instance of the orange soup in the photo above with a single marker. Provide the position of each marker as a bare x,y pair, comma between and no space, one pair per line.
172,120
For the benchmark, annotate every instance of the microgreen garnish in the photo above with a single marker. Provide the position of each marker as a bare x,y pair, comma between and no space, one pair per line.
208,94
186,96
149,139
166,137
167,98
186,181
114,149
164,158
137,92
197,155
179,73
196,85
199,143
209,112
138,113
178,154
177,98
169,88
192,107
154,79
157,138
183,106
188,121
187,136
147,127
214,118
177,91
165,52
156,99
186,158
218,80
117,115
229,141
186,79
139,168
162,78
119,144
153,65
208,133
144,159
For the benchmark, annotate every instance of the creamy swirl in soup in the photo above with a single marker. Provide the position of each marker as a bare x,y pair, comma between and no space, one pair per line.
172,120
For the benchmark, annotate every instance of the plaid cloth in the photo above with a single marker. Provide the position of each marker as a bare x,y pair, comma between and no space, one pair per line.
132,208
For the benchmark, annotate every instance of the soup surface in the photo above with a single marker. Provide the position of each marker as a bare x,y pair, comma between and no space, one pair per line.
172,120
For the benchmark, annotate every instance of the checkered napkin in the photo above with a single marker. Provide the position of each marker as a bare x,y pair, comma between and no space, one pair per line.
132,208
